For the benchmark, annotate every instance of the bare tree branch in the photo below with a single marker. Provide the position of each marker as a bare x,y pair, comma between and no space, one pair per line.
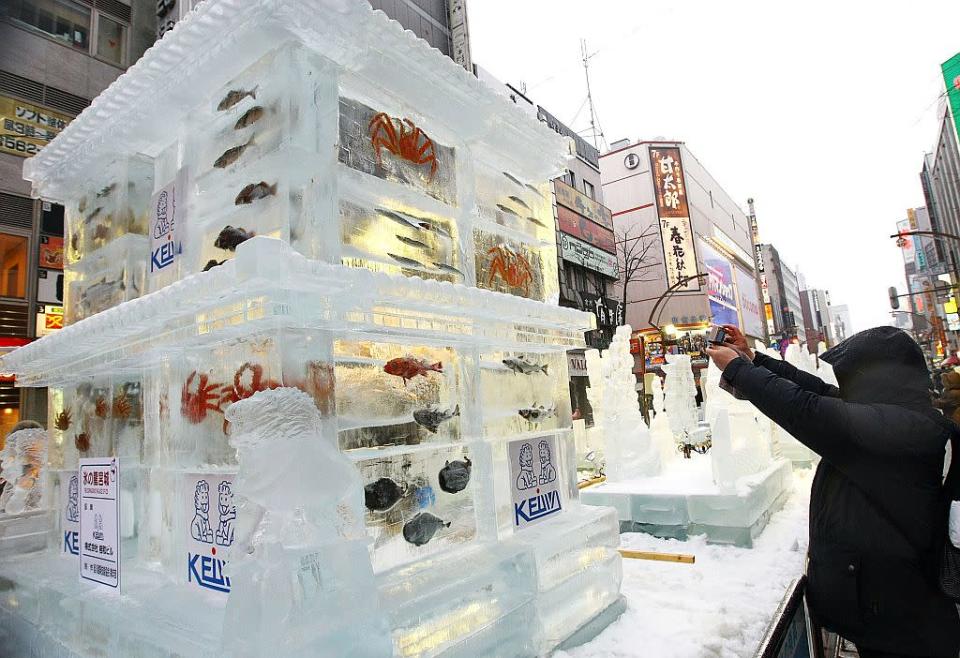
637,256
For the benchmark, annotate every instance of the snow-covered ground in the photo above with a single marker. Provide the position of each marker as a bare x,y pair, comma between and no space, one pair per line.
720,606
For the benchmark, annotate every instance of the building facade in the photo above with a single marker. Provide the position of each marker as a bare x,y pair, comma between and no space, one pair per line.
55,56
782,301
817,319
700,269
841,322
441,23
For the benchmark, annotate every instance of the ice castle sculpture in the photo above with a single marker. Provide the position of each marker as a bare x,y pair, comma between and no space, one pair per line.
679,400
618,424
790,448
314,199
25,508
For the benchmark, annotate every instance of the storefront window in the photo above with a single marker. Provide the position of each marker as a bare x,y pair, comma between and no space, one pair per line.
64,20
111,40
13,266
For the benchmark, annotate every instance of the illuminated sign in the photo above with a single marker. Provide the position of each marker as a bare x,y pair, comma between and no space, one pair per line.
583,205
676,232
580,227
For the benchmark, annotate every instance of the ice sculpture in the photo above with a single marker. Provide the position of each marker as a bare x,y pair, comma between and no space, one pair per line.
300,551
680,396
24,456
337,208
788,446
619,425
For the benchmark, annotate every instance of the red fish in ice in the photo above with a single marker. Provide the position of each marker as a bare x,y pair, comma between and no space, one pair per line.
407,368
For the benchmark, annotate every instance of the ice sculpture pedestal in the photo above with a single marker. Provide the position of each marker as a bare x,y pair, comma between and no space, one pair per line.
684,501
24,532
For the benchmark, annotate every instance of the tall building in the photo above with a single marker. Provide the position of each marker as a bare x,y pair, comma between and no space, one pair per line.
817,318
841,322
55,56
441,23
784,311
663,198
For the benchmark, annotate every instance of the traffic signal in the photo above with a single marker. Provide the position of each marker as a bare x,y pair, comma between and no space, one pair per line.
894,298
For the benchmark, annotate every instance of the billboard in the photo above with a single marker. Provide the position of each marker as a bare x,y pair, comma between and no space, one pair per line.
673,212
751,314
951,77
27,128
581,253
907,242
581,204
720,287
580,227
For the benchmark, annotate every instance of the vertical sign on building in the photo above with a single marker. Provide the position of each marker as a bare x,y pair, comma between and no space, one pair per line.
460,34
951,77
100,521
676,233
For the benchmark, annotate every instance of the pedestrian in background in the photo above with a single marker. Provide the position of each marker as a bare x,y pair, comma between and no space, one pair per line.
877,511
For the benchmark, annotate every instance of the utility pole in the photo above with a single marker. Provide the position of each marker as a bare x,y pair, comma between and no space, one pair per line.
593,113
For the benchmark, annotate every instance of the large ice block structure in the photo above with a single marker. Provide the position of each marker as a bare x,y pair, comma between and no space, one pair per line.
728,494
377,232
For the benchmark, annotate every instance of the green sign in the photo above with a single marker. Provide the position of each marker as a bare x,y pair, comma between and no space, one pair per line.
951,76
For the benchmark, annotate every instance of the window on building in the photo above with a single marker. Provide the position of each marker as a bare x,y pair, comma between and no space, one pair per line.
589,190
570,179
13,266
63,20
111,40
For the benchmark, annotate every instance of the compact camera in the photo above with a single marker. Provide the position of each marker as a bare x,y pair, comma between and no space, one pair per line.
719,336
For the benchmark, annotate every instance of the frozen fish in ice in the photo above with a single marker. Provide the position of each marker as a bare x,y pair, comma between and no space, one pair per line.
508,210
412,242
403,219
533,189
381,495
520,201
231,155
537,222
455,476
431,417
103,289
234,97
524,366
513,178
420,529
537,413
82,205
106,190
230,238
449,269
89,218
212,264
403,260
249,118
408,367
82,441
253,192
436,228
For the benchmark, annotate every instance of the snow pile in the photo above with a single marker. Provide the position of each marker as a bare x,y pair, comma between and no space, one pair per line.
718,607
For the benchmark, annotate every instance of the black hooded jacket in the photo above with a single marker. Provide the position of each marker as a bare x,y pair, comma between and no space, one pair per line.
876,512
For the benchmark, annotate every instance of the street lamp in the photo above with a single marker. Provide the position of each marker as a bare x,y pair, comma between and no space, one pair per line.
681,282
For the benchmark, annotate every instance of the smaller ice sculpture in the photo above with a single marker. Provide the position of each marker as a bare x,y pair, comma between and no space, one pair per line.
783,443
740,445
24,455
660,432
680,397
619,424
300,569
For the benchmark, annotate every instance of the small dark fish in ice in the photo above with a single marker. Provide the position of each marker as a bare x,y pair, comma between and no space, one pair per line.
407,367
420,529
449,269
234,97
253,192
107,190
230,238
249,118
101,232
523,203
537,414
231,155
212,264
533,189
455,476
537,222
412,242
89,218
403,220
524,366
514,179
82,205
436,228
403,260
508,210
381,495
431,417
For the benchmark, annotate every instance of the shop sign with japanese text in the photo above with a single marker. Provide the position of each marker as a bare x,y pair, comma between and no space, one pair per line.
676,232
581,253
581,204
26,128
99,480
580,227
609,312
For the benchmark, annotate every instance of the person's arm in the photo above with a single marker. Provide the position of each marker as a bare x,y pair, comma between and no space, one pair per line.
804,380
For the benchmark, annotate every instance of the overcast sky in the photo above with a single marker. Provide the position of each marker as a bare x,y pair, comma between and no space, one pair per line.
821,114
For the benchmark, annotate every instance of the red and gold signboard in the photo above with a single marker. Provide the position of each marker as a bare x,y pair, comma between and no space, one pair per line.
51,252
581,204
676,232
580,227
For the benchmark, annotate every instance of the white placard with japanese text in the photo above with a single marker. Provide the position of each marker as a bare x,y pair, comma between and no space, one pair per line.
534,480
100,521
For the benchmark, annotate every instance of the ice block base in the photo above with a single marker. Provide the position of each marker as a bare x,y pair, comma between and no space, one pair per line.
676,508
26,532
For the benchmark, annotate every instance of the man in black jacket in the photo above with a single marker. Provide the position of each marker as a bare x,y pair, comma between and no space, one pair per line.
876,514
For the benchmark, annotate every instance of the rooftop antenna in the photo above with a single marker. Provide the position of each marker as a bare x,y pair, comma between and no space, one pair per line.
593,113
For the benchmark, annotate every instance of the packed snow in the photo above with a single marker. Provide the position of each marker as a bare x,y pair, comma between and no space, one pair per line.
719,607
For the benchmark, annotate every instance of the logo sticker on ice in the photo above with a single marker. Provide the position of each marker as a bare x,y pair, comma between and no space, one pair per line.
536,492
166,216
71,516
208,543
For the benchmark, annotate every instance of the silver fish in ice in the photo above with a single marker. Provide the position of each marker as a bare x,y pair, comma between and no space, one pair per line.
525,366
234,97
431,417
412,242
403,260
231,155
537,413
